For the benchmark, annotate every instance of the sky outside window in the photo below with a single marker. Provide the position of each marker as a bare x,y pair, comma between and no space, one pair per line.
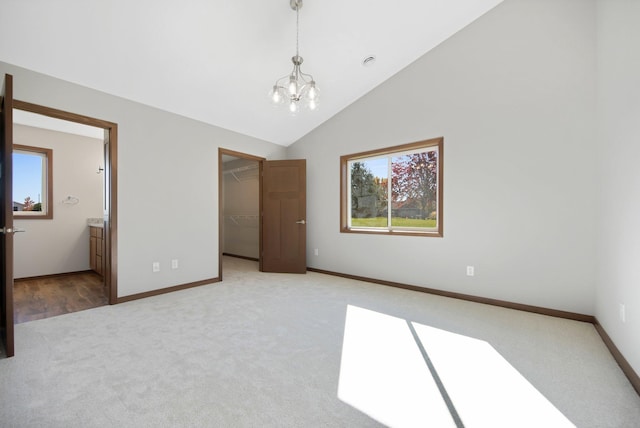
27,176
378,167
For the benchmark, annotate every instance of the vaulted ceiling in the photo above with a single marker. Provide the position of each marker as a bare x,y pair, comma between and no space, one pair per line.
216,60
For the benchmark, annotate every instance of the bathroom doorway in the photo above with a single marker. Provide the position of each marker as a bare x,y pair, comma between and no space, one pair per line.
78,272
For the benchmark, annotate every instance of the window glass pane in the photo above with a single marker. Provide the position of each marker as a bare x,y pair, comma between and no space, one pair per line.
369,184
394,190
32,182
29,189
414,181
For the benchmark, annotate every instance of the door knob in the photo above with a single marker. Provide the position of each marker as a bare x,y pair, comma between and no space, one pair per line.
6,230
301,222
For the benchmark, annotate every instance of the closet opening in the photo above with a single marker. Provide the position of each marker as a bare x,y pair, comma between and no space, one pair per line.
240,206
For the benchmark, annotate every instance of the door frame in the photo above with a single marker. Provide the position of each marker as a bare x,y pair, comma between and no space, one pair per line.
6,299
111,184
221,152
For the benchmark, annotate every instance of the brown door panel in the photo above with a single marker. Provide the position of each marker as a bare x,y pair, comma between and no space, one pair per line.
284,204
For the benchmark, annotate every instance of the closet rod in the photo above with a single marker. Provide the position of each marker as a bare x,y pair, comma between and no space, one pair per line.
240,169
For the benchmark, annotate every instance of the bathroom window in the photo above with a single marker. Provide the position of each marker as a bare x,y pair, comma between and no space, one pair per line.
32,182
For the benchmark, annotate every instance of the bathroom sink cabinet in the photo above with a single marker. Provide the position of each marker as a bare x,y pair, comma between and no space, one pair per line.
96,248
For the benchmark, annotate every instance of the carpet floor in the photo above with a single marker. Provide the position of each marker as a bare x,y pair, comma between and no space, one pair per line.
277,350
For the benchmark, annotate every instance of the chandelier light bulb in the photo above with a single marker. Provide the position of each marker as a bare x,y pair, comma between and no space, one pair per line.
293,85
275,95
312,104
293,106
312,90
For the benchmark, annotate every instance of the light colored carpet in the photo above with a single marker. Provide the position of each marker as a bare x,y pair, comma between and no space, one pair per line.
310,350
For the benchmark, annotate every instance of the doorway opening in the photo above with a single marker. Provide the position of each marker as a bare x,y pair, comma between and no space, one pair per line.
59,204
240,206
92,217
281,215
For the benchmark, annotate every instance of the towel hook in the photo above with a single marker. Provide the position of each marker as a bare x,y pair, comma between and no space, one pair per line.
70,200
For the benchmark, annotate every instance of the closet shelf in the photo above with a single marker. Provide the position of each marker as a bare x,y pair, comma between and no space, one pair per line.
250,220
243,173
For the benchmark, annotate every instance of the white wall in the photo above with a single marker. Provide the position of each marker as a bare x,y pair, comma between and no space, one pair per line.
513,94
61,244
167,180
619,153
241,208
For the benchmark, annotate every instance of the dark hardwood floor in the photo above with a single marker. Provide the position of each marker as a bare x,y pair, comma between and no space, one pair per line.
46,297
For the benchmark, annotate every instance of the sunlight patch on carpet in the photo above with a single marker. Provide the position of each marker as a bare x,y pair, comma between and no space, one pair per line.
458,381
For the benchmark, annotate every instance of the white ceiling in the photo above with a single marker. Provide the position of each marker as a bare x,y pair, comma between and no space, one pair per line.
216,60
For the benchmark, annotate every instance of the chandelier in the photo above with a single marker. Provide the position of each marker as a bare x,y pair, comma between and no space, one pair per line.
297,86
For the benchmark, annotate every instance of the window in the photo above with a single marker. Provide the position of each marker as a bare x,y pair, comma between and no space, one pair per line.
411,174
32,182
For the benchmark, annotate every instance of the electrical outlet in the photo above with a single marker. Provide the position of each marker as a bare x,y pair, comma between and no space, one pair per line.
623,313
174,264
315,251
471,271
156,266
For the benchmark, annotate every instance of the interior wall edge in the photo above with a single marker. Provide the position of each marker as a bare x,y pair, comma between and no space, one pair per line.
629,372
469,297
238,256
166,290
52,275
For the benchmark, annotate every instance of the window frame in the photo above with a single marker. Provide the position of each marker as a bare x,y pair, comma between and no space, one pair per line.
345,192
47,199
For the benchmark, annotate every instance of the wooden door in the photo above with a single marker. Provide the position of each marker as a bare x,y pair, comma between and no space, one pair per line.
284,212
6,215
